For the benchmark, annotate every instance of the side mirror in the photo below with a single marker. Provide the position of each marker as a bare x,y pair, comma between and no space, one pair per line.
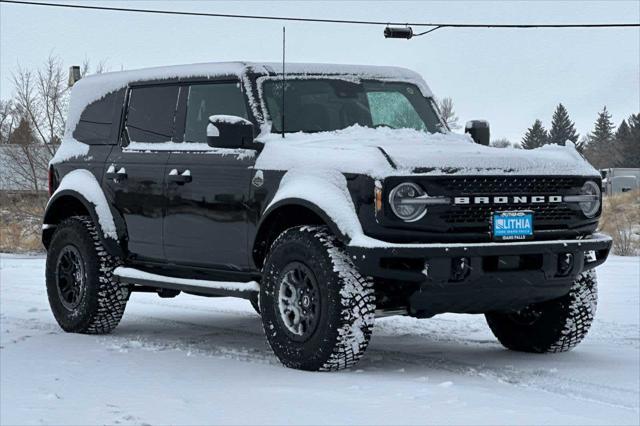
229,131
479,131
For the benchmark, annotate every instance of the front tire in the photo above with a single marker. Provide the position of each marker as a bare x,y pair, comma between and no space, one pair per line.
255,302
83,293
317,310
553,326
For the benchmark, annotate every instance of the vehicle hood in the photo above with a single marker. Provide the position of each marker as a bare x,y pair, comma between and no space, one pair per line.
386,152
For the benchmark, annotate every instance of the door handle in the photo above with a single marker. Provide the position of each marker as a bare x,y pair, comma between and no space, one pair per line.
119,175
184,177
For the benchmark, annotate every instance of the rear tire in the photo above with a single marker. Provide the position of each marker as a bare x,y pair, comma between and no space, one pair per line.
83,293
317,310
553,326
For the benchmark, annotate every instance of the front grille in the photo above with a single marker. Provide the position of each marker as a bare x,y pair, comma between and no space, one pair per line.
508,185
477,218
482,214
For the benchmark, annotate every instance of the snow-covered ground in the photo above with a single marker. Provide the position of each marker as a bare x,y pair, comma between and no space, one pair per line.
195,360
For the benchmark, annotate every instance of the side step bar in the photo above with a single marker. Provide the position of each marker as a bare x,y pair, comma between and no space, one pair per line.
214,288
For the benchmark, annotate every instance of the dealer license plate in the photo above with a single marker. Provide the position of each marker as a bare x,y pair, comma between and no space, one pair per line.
507,226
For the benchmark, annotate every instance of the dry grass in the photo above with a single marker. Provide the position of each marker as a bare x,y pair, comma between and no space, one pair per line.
20,223
15,238
621,220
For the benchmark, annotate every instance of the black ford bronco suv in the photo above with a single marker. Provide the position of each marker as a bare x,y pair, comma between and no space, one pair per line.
325,196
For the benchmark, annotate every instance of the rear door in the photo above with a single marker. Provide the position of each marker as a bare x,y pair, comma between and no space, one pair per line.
207,188
135,171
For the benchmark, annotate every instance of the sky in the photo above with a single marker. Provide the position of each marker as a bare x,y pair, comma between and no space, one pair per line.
508,77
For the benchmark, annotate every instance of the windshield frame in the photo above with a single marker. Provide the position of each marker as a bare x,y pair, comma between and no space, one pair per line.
260,81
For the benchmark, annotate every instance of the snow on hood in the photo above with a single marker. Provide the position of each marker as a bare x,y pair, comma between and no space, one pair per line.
375,152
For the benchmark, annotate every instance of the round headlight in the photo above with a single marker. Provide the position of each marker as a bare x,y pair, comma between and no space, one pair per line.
400,200
591,207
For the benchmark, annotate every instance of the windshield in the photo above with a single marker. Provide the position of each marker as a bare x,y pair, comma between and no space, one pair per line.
319,105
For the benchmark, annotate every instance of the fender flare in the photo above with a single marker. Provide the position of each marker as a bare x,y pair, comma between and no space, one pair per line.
295,201
325,193
81,186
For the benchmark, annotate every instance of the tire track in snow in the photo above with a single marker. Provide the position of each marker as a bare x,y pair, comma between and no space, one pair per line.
241,344
539,379
379,358
237,343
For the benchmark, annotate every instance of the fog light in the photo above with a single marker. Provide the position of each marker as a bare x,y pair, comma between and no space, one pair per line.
565,264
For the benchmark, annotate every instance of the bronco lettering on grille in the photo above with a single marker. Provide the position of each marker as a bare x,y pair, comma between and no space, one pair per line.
512,199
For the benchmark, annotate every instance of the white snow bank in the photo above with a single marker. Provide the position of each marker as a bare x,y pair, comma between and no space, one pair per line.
133,273
357,150
83,182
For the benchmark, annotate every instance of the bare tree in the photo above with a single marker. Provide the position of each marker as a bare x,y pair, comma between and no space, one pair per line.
448,114
31,128
37,112
39,109
42,97
7,120
85,68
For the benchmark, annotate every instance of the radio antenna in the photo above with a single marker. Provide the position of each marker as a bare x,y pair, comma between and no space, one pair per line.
283,82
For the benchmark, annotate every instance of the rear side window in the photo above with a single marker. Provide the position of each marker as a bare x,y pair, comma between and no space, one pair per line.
205,100
151,113
100,119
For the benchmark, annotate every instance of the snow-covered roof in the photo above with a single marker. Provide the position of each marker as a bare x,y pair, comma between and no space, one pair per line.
110,81
91,88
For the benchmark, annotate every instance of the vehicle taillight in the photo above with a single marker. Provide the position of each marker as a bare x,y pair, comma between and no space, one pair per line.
52,184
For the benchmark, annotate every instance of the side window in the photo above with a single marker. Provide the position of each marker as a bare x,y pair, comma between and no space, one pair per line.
205,100
98,118
393,109
151,113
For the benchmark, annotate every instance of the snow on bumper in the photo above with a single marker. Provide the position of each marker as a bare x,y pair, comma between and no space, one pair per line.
369,254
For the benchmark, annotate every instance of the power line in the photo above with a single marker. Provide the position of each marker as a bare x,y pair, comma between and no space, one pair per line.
319,20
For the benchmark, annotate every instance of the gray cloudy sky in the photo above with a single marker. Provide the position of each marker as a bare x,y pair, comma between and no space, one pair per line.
509,77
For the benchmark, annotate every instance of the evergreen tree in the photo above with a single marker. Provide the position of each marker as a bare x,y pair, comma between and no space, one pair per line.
602,150
628,138
23,134
562,128
603,131
536,136
623,132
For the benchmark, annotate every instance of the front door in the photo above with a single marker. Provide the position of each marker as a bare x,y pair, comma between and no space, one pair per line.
135,171
208,188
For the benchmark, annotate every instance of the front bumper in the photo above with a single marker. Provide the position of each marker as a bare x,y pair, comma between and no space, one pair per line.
480,277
